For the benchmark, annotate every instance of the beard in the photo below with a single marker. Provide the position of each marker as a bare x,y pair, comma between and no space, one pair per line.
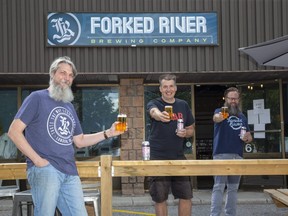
58,93
233,110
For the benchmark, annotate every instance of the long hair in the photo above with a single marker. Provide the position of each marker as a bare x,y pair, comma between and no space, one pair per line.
63,59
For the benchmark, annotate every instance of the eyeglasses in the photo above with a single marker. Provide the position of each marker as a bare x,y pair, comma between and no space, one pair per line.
230,98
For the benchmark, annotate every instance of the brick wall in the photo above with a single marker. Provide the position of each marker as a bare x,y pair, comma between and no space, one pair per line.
131,102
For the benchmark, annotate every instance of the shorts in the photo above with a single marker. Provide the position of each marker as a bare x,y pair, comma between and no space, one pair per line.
180,186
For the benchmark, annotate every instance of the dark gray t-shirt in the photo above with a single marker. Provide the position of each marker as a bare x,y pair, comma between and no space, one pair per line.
51,126
164,143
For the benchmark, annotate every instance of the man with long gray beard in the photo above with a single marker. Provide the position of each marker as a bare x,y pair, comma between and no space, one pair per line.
51,127
228,144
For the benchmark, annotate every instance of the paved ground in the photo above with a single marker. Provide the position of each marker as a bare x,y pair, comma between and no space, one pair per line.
250,203
204,210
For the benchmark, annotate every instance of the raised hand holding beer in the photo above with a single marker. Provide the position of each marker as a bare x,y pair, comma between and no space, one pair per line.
224,112
122,122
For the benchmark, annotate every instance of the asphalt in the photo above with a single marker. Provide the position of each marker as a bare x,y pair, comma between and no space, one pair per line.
201,197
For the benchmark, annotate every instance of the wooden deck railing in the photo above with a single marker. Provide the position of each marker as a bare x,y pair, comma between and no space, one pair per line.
107,169
8,171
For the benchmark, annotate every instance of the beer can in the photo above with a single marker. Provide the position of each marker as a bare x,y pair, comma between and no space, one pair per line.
180,124
145,150
242,132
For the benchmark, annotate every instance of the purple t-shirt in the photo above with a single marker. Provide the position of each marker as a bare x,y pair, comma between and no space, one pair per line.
51,126
164,143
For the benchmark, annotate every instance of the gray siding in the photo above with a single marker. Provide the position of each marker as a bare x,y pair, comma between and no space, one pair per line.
241,23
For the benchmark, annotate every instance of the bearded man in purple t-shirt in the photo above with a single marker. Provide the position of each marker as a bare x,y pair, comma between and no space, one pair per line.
51,128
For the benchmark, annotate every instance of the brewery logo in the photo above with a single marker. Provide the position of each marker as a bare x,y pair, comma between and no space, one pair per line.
234,122
63,29
60,126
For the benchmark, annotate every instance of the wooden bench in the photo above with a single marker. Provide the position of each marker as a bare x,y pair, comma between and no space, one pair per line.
279,196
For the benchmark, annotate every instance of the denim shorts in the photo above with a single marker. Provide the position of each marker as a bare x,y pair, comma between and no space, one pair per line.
181,187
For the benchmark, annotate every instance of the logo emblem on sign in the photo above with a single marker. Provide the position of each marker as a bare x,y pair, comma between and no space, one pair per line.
63,29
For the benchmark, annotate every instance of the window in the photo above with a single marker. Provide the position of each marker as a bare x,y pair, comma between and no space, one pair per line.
7,112
8,97
97,109
267,135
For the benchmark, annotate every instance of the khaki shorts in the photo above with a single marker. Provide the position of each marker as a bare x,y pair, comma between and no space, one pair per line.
180,186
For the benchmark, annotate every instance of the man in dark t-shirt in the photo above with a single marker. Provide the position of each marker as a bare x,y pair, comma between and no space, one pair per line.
228,144
166,143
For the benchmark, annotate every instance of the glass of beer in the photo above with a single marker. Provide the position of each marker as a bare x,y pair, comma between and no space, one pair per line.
224,111
121,125
169,110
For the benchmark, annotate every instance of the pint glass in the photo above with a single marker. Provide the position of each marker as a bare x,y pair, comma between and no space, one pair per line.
224,111
121,125
169,110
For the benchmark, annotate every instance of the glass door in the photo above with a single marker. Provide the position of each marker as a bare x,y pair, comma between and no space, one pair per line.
262,104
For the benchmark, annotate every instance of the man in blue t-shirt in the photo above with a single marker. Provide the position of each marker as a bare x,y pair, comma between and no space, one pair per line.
228,144
51,128
166,143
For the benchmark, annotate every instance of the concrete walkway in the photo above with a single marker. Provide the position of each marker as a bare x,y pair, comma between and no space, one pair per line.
201,197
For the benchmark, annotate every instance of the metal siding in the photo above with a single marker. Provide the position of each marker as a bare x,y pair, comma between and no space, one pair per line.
22,40
277,16
269,19
241,23
182,61
234,23
217,56
13,46
242,35
251,8
225,30
4,38
260,20
285,17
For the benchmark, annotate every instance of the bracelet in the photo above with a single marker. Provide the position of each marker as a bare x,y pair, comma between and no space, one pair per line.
105,135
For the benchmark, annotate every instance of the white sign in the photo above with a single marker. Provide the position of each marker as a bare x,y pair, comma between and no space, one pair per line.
259,116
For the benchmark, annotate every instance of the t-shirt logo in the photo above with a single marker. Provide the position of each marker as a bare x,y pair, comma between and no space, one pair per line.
234,122
60,126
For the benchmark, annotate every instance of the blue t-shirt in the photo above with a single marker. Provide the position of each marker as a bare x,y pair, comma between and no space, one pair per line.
164,143
227,135
51,126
